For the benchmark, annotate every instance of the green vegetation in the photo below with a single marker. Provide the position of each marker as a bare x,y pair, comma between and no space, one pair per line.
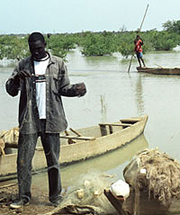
60,44
12,47
95,43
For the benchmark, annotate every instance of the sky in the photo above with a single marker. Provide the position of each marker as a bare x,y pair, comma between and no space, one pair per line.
71,16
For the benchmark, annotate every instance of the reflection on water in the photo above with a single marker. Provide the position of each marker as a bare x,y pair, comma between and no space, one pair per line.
139,96
103,109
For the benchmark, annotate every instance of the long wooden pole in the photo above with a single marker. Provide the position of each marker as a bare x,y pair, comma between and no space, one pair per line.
143,17
138,32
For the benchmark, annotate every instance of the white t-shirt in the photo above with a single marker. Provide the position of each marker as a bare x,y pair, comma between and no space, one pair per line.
40,71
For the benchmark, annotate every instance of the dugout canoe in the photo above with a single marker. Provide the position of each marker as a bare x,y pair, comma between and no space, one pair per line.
82,144
159,70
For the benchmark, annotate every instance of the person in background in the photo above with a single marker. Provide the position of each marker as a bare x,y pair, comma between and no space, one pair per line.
42,79
138,49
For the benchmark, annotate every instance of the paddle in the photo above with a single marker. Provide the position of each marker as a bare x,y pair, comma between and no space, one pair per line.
138,32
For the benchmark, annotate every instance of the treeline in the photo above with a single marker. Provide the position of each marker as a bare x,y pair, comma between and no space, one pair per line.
95,43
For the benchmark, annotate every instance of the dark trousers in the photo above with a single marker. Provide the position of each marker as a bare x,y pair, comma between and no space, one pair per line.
26,150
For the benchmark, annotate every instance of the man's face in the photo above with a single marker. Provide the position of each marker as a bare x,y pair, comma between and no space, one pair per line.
37,49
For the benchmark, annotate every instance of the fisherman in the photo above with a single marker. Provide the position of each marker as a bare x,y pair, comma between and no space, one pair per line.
138,49
42,79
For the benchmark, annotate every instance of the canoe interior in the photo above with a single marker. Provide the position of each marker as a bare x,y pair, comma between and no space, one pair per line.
93,132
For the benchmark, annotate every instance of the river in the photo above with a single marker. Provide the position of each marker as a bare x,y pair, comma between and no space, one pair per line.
112,94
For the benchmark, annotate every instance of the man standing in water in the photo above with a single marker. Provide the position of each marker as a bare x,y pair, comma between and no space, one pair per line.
138,49
42,79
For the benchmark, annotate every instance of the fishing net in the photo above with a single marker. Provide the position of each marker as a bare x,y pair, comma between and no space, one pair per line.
156,173
8,138
87,197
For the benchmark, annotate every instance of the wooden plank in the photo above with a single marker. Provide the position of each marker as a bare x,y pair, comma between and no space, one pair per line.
116,124
133,120
78,138
75,132
103,130
8,185
110,129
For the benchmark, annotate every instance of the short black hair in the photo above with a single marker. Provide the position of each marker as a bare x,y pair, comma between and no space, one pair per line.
35,36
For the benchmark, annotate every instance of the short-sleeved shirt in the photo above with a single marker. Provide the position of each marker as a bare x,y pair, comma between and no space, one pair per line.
138,46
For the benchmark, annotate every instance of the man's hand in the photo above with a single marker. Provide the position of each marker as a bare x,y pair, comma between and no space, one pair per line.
80,89
22,74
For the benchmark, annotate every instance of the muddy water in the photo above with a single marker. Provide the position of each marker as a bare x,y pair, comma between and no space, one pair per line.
113,93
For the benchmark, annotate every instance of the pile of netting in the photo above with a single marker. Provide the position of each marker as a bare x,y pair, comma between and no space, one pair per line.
87,197
8,138
156,173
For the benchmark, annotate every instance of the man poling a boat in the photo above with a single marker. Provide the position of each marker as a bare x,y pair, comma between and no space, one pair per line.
138,49
42,79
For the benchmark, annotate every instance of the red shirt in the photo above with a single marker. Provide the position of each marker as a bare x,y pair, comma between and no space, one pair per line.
138,46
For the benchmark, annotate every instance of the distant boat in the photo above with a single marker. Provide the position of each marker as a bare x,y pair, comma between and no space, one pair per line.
82,144
159,70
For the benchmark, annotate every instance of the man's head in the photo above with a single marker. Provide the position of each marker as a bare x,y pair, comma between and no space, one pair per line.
37,45
137,37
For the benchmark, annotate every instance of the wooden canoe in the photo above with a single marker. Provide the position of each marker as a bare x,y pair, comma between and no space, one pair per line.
159,71
82,144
